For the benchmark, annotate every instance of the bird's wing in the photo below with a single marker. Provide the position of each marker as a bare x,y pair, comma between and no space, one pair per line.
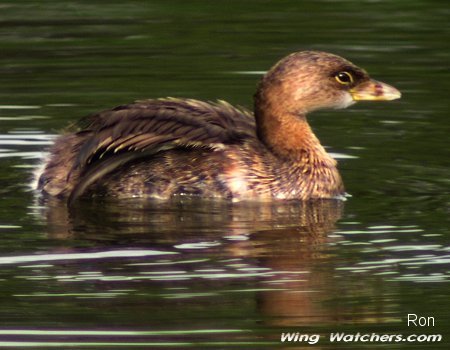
114,137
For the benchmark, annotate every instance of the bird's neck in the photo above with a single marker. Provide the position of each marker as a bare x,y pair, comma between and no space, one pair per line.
290,137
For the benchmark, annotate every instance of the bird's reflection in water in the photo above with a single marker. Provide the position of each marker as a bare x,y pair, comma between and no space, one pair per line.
289,239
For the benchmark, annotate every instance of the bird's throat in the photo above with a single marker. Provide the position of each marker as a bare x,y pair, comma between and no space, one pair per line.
290,137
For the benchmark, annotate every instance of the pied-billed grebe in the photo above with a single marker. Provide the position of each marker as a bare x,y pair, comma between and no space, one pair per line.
166,147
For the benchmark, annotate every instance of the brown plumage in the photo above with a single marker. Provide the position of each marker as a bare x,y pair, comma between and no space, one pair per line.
165,147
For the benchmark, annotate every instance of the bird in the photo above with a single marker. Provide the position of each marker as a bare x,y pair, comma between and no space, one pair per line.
164,148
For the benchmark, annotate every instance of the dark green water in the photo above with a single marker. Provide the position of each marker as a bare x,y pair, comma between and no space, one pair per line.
195,274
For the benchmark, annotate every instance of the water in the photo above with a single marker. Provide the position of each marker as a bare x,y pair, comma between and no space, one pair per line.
190,274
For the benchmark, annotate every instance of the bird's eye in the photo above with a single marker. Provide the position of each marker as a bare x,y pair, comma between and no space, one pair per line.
344,78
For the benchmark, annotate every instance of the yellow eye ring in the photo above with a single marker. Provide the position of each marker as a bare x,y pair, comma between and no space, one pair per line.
344,78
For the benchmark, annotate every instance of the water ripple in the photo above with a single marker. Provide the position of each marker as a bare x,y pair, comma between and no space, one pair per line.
81,256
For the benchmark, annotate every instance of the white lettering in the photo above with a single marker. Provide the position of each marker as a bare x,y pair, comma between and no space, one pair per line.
422,338
374,337
336,337
288,336
412,318
422,321
383,338
364,338
297,337
313,339
434,337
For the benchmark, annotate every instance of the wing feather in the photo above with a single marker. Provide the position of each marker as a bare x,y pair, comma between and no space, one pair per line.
111,138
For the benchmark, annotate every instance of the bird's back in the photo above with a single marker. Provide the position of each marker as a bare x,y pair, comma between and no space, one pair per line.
140,139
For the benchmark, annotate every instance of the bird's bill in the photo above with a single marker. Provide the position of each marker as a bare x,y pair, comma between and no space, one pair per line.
373,90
